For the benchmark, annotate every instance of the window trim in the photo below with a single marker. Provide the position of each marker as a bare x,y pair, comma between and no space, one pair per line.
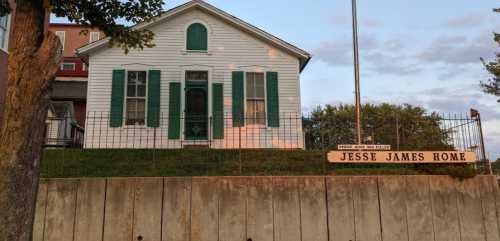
246,99
146,99
209,31
98,36
7,35
68,63
63,42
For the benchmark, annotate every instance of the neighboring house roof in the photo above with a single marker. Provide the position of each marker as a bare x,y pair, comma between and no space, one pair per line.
71,90
303,56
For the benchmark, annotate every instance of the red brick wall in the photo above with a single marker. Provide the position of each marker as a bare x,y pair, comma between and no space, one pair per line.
73,38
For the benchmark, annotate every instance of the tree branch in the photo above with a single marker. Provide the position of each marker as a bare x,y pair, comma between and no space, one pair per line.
49,57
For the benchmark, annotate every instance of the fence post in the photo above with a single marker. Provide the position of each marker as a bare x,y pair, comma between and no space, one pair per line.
239,148
155,126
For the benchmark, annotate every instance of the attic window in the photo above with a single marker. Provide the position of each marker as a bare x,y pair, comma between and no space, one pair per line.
197,37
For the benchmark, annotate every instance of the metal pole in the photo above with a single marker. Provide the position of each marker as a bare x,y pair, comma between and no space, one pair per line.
356,71
482,140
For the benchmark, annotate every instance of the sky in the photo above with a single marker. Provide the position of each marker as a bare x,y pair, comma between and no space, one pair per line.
424,52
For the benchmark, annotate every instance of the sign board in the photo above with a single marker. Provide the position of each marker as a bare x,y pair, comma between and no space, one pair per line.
364,147
401,157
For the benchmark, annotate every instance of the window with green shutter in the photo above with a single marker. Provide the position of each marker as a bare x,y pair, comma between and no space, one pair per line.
197,37
273,107
136,98
117,98
238,93
218,111
174,111
154,79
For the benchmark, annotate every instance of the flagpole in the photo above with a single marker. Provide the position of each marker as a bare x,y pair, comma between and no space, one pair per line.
356,72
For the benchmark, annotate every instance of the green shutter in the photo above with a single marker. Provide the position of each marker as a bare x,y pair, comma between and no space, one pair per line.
273,107
218,111
174,111
238,99
117,98
197,37
154,79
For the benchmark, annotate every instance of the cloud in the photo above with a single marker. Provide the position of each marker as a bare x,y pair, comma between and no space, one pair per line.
456,99
457,49
384,63
340,53
470,20
379,57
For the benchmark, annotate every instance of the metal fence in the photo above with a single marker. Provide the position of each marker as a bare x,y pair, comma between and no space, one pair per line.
194,131
440,133
446,132
449,132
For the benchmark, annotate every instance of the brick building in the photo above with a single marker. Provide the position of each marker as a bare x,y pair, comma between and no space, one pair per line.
70,85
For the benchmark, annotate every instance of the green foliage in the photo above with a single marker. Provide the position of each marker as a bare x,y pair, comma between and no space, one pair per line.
491,86
332,125
106,16
496,166
205,162
4,8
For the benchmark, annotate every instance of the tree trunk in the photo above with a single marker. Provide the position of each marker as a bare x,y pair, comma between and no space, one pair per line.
34,57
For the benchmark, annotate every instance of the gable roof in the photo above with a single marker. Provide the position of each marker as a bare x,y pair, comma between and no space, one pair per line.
303,56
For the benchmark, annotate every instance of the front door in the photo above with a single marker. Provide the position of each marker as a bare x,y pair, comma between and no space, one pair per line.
196,107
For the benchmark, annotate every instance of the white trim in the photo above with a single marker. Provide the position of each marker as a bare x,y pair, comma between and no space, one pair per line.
211,10
7,35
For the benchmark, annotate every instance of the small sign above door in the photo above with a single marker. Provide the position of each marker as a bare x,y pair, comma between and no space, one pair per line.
364,147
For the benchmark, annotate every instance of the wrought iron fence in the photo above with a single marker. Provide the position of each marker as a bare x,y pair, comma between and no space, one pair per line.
449,132
199,131
439,132
445,132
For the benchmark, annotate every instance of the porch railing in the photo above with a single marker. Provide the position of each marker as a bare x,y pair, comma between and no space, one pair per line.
63,132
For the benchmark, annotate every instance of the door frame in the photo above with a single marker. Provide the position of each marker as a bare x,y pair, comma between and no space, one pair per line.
182,73
200,85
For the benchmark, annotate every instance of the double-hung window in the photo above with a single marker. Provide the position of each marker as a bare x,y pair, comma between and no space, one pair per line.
4,31
94,36
68,66
136,98
62,37
255,98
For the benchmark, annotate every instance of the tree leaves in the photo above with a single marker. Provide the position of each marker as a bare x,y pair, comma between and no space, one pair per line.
490,86
330,126
4,8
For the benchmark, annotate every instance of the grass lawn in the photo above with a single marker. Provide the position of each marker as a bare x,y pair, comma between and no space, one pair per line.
65,163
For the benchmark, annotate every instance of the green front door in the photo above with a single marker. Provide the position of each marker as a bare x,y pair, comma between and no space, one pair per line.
196,110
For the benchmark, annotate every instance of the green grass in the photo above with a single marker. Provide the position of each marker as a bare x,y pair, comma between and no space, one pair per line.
206,162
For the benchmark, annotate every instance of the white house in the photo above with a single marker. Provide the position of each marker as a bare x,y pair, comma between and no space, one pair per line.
211,80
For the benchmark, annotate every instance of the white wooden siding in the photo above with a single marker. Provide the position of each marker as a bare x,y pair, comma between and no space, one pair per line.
229,50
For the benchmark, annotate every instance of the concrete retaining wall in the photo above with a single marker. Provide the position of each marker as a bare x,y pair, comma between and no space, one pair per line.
389,208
